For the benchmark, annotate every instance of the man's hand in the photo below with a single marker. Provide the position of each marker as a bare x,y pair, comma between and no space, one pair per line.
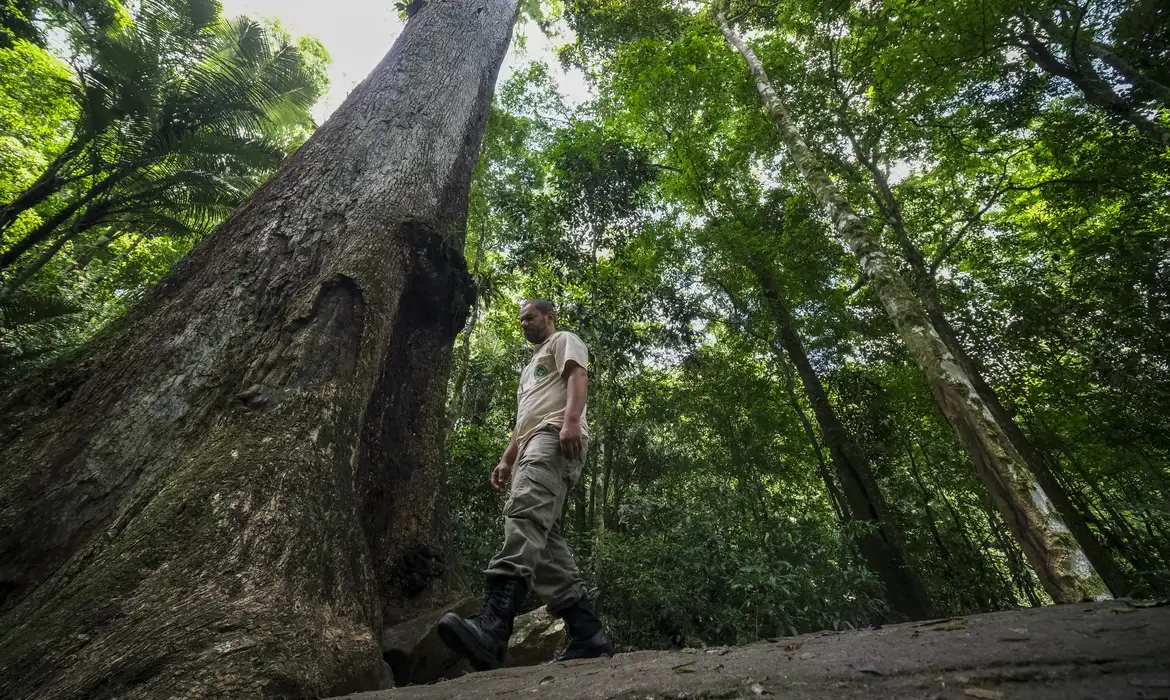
502,476
571,439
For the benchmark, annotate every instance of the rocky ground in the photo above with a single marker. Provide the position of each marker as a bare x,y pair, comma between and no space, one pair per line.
1107,651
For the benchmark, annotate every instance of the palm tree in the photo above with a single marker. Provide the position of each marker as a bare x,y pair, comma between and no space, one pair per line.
182,115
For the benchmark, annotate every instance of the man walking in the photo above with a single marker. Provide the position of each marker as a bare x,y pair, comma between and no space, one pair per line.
542,464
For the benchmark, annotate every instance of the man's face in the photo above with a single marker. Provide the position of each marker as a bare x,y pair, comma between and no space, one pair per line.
536,324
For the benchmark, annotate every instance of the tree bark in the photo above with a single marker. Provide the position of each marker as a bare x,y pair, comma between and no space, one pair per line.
927,287
224,492
882,545
1060,564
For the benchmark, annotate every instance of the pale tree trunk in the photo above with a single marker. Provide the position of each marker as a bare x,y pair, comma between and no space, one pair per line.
926,286
223,494
1060,564
882,545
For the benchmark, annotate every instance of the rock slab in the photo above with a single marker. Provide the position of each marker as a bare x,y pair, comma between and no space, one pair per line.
1112,650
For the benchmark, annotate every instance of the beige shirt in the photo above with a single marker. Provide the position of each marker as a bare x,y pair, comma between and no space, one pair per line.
544,390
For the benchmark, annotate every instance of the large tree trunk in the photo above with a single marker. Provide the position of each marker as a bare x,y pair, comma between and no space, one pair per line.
223,493
1059,562
882,544
927,287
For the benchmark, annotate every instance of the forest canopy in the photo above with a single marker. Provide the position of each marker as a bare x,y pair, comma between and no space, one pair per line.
877,294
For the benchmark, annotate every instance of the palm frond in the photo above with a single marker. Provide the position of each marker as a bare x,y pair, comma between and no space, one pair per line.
26,308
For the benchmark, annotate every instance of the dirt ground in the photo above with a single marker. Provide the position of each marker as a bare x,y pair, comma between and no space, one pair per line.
1109,651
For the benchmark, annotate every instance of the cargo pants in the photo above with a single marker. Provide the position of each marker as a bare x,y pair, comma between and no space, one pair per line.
533,546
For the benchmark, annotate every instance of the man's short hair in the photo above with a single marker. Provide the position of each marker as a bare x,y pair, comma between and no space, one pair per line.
543,305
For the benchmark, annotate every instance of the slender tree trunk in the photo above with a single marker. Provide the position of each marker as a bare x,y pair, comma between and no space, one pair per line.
835,497
978,553
950,570
1060,564
43,187
1092,86
457,393
607,449
41,233
1016,568
592,516
25,274
882,545
927,287
1135,76
223,493
925,499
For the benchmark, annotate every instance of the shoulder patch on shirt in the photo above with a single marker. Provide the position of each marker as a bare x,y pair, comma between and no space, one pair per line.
541,371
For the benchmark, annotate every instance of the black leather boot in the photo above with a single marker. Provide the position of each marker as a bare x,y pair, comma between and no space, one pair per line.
483,639
586,638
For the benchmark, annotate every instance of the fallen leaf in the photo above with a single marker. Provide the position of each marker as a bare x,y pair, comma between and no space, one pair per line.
807,655
983,693
683,668
869,670
546,680
956,626
1020,630
758,689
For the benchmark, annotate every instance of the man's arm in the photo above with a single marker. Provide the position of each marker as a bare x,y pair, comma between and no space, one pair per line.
578,388
502,474
509,457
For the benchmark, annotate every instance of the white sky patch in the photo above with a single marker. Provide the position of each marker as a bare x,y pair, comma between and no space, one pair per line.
358,33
